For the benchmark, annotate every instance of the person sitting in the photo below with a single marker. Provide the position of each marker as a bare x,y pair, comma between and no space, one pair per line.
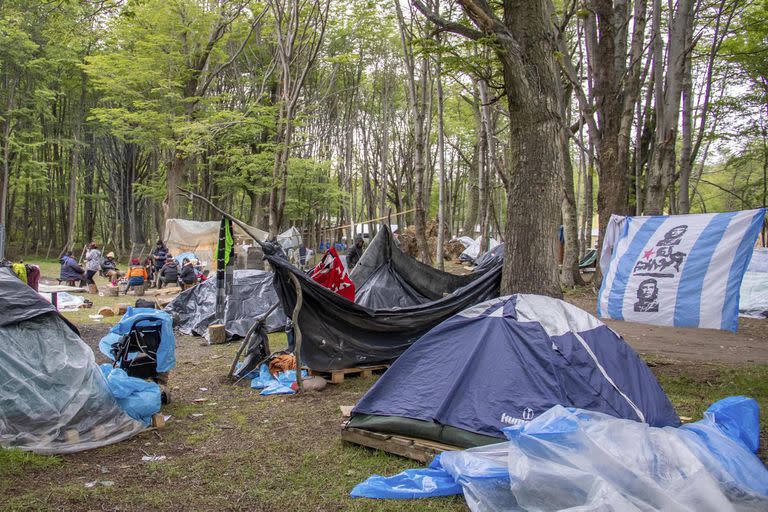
109,268
169,273
137,275
71,271
188,276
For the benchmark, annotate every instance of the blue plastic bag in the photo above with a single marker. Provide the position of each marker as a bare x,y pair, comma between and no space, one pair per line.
282,385
140,399
262,378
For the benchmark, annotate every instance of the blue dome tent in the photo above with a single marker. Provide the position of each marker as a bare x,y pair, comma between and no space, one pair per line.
504,362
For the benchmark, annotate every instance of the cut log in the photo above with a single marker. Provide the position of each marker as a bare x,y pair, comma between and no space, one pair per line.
158,420
217,334
113,291
106,311
120,309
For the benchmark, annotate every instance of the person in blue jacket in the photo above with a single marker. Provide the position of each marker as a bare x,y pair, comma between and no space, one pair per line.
71,271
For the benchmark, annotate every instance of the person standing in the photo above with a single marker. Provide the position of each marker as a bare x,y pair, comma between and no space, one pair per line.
92,266
354,254
159,256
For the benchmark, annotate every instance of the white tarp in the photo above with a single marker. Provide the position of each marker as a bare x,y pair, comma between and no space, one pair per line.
183,235
475,249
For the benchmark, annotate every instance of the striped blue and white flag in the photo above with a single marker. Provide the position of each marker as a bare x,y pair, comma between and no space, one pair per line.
681,270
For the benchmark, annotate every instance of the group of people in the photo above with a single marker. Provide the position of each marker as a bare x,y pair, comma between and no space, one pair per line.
159,269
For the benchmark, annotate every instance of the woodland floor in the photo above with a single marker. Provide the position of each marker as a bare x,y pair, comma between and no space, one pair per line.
248,452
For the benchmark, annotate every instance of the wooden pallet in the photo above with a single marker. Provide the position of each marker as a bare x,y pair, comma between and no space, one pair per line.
337,376
421,450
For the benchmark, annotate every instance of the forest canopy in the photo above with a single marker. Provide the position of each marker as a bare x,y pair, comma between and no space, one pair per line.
325,113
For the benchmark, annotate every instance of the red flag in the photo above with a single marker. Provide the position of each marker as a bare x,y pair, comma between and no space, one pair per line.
330,272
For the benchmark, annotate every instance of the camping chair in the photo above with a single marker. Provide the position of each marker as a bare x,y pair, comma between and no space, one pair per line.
136,353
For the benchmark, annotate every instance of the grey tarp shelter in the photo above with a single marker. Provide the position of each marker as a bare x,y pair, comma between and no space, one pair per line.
53,396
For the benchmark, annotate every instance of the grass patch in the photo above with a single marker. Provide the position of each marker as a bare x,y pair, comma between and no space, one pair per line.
15,462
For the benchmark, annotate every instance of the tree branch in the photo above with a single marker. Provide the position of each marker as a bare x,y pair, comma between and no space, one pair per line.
445,25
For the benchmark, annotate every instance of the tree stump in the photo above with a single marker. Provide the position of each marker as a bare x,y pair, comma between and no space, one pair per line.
138,290
106,311
113,291
216,334
120,309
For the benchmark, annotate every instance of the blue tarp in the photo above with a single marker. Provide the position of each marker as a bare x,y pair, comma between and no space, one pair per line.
166,353
270,385
571,458
139,398
508,360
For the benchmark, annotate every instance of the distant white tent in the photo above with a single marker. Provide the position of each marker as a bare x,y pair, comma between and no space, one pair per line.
753,295
475,249
183,235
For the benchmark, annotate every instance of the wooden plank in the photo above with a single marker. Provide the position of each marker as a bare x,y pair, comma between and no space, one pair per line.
420,450
337,376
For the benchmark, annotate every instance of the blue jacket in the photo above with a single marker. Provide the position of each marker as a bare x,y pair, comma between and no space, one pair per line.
70,270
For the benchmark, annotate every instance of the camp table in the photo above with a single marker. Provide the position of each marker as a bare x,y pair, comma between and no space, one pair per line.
55,290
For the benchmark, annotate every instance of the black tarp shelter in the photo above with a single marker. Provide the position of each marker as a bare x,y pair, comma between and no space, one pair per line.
337,333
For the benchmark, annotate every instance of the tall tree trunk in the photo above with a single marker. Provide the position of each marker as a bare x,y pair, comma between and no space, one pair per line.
417,108
661,172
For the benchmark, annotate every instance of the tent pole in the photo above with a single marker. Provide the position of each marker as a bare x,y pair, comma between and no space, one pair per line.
297,331
247,338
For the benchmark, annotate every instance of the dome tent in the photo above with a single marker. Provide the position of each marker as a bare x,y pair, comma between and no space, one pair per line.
53,396
504,362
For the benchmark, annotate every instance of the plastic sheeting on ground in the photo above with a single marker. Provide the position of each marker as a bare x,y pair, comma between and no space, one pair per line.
53,397
580,460
166,352
386,277
65,301
139,398
271,385
251,296
337,333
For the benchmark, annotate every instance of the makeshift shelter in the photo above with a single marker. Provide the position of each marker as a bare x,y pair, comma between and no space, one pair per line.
386,277
201,238
337,333
251,295
504,362
53,396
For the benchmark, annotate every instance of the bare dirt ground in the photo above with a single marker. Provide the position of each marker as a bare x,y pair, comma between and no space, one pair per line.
748,345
